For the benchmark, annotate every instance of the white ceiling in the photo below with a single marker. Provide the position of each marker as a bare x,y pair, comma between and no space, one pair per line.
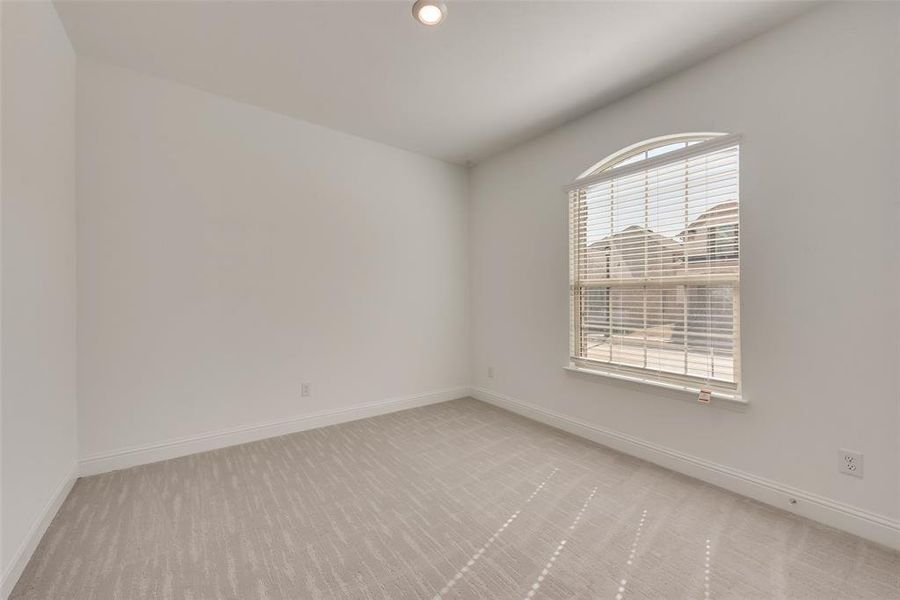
493,74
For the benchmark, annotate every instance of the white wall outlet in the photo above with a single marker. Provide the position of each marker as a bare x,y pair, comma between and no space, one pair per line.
850,462
491,372
304,390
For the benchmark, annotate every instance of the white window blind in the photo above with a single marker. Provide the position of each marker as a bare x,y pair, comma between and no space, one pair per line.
654,266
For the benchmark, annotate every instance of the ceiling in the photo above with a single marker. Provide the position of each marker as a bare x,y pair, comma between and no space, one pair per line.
493,74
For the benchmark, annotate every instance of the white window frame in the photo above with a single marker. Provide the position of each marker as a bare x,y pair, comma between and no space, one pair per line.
611,168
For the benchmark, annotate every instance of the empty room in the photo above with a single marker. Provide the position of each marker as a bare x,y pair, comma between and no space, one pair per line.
460,300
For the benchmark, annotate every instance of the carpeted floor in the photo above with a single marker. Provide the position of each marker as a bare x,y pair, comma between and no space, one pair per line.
455,500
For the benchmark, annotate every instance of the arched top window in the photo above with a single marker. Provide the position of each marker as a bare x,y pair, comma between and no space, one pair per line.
647,149
654,234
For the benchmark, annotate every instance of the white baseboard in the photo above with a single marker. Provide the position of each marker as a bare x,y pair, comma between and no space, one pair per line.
35,533
150,453
878,528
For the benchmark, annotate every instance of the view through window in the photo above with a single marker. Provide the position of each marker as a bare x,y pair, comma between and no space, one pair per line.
655,254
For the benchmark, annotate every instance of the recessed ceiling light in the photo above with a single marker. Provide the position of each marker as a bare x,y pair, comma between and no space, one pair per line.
429,12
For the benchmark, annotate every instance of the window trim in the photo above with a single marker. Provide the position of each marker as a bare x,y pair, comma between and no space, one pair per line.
606,170
575,366
716,143
616,158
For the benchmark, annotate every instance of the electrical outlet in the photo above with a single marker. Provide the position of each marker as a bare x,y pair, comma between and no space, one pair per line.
304,389
850,462
491,372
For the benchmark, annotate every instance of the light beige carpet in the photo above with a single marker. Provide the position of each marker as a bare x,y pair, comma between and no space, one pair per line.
456,500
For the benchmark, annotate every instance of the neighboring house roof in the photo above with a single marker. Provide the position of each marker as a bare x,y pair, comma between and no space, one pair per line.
629,232
710,213
715,212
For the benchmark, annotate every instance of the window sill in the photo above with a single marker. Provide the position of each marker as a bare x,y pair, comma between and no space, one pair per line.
687,390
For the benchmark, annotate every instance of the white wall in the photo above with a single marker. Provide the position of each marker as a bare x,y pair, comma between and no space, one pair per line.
817,102
38,272
227,254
